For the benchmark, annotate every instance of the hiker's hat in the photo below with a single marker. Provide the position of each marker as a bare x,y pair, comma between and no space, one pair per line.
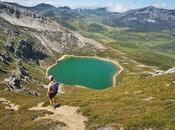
50,77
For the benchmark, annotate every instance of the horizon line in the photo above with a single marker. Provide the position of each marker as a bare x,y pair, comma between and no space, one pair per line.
85,7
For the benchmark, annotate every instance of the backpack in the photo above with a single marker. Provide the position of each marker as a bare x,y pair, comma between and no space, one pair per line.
54,87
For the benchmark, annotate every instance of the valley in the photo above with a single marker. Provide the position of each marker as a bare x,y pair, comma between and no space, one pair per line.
33,38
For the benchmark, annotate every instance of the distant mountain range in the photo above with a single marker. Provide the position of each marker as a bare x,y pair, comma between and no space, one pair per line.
148,18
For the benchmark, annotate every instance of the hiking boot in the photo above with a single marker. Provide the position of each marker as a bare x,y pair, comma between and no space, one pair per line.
54,107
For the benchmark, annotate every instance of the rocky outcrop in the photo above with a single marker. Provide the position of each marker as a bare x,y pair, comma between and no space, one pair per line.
27,50
9,105
22,73
28,91
13,83
161,72
171,70
18,16
4,56
10,46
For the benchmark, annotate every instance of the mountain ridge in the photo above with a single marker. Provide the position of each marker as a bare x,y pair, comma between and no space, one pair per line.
146,18
44,25
97,8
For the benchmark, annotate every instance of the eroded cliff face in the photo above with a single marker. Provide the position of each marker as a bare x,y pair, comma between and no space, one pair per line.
25,18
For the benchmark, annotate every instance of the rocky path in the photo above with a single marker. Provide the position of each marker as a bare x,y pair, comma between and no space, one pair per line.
65,114
9,105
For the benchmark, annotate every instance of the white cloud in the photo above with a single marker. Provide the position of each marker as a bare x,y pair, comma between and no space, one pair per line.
76,6
116,7
160,5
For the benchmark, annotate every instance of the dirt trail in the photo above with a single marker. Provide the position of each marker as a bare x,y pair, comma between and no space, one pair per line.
65,114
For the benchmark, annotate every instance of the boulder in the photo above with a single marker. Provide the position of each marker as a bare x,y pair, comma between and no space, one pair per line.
161,72
171,70
19,62
6,56
22,72
28,91
2,59
10,46
13,82
34,93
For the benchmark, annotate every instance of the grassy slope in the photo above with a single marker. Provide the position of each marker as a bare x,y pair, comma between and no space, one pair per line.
145,47
23,118
125,104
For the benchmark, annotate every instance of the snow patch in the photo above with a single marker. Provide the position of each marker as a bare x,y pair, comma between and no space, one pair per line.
151,21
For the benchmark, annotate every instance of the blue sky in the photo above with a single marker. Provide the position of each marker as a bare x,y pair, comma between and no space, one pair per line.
112,5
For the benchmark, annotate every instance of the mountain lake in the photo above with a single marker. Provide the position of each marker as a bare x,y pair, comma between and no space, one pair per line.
93,73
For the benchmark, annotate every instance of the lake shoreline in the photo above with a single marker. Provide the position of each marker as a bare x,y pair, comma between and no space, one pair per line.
108,60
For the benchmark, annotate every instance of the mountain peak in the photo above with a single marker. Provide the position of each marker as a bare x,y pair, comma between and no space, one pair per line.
64,7
44,5
103,9
151,8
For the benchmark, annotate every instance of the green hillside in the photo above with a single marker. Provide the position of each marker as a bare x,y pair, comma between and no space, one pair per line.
150,48
147,103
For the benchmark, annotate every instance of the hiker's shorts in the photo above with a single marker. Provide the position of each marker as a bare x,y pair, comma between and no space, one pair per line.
52,95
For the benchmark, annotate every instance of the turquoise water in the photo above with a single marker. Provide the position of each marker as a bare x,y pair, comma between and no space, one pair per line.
88,72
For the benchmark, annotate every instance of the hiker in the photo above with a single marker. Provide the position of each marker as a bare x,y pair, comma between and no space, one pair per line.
52,91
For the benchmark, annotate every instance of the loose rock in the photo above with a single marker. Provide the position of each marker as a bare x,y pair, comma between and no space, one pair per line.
13,83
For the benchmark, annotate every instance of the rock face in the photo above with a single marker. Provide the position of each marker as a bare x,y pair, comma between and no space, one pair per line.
169,71
18,16
22,73
13,83
10,46
26,50
4,56
172,70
